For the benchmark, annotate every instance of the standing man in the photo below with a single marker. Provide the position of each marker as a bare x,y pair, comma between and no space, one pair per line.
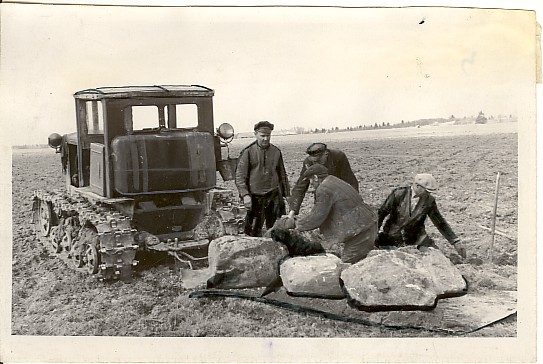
336,163
407,208
340,214
262,181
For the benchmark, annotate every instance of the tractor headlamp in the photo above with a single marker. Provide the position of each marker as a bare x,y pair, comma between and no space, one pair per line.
54,140
225,131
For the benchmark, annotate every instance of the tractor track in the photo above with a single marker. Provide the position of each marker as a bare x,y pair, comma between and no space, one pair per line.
88,237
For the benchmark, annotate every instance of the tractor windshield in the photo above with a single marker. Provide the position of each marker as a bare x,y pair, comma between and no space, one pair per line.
148,117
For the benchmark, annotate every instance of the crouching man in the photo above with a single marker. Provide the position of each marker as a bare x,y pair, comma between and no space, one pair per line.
340,214
407,208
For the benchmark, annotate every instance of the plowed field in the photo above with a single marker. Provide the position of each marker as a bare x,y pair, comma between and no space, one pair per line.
50,299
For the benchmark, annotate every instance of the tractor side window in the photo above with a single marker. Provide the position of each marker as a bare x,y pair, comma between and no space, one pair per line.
182,115
95,118
145,117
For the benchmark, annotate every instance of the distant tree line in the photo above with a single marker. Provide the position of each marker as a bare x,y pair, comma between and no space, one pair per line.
401,124
30,146
383,125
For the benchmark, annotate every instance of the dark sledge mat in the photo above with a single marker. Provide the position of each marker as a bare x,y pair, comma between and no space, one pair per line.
455,316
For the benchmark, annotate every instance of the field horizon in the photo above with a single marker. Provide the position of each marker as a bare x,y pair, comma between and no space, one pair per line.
392,133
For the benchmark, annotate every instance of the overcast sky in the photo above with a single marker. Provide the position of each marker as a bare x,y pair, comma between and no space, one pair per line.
307,67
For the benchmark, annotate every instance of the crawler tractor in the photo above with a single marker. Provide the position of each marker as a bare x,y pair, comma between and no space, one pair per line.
140,176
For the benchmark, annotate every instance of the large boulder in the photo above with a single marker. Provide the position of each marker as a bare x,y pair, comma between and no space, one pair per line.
448,281
313,276
389,280
244,262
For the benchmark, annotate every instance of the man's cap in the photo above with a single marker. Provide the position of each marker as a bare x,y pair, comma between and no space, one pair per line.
426,181
263,124
316,170
316,149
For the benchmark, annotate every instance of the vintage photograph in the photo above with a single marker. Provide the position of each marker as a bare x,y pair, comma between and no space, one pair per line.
268,183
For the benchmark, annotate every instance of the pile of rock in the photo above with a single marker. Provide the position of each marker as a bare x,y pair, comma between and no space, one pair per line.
402,279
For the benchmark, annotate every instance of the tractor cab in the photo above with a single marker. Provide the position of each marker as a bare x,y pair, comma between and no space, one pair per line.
152,152
133,140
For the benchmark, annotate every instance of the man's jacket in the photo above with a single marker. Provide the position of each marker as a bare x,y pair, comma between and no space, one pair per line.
337,165
339,211
409,225
261,170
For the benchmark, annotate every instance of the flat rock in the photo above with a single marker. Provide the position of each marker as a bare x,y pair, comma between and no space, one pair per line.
389,280
457,315
243,261
313,276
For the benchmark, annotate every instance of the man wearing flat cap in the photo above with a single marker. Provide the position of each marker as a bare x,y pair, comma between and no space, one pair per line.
336,163
340,214
407,209
262,181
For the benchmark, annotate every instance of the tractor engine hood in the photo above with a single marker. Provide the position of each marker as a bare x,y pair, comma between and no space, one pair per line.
163,162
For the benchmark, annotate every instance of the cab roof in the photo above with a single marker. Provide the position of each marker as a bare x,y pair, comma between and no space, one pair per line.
143,91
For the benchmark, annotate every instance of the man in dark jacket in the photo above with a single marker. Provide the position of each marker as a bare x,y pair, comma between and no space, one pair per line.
407,209
340,214
336,163
262,181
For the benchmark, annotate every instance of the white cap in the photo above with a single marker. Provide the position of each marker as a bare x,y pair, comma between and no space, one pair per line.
426,181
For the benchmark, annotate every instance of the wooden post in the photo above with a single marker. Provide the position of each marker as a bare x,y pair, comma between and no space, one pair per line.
493,226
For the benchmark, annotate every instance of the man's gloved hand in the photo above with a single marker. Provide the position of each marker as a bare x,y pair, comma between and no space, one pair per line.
247,202
460,248
287,221
290,222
